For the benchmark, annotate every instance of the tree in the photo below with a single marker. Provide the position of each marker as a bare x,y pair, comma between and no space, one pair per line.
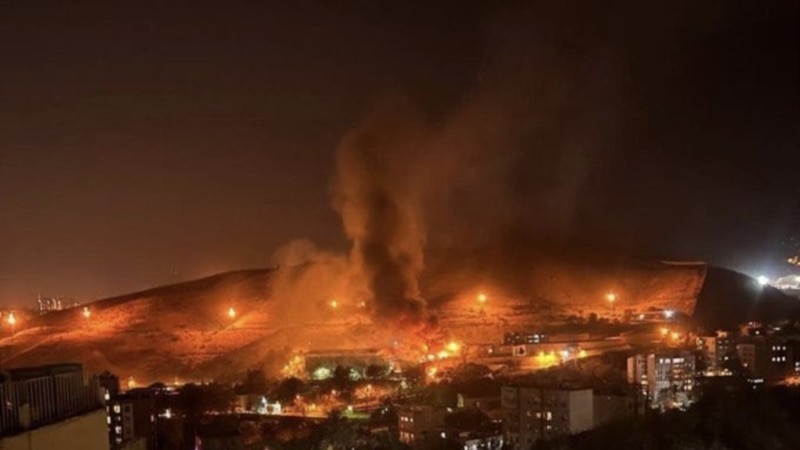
288,389
375,371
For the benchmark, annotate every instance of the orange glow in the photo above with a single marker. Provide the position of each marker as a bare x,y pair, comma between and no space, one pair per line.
431,357
334,304
611,296
12,319
482,298
675,335
582,354
431,372
453,347
86,313
664,331
442,354
231,312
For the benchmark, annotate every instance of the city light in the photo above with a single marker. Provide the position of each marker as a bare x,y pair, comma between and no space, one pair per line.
231,312
431,371
762,280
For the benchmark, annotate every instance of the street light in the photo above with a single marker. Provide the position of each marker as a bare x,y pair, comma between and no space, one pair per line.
12,320
612,298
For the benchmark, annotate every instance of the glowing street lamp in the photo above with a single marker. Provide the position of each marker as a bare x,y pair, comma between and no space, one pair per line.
612,298
231,313
12,320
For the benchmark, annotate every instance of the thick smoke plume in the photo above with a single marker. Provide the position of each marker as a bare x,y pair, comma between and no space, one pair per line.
376,195
508,161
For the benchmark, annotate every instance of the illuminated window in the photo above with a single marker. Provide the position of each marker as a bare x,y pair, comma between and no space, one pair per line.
116,409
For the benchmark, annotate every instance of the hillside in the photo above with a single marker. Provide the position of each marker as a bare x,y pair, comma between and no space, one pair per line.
184,331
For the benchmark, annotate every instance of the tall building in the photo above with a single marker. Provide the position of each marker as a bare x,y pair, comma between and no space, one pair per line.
132,417
51,407
716,353
534,413
665,377
418,423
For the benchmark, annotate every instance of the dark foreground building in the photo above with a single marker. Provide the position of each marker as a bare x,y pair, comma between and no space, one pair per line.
51,407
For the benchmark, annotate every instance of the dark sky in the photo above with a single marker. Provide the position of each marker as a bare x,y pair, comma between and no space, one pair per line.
141,145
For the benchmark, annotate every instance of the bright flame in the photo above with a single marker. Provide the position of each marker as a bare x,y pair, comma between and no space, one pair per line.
231,312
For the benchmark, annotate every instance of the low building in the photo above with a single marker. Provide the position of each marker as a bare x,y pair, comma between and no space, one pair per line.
470,440
533,413
611,407
524,337
51,407
418,424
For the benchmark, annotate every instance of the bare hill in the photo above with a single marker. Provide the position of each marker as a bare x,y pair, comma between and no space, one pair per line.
184,330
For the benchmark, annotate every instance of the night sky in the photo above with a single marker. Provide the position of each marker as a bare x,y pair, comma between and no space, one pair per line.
143,145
